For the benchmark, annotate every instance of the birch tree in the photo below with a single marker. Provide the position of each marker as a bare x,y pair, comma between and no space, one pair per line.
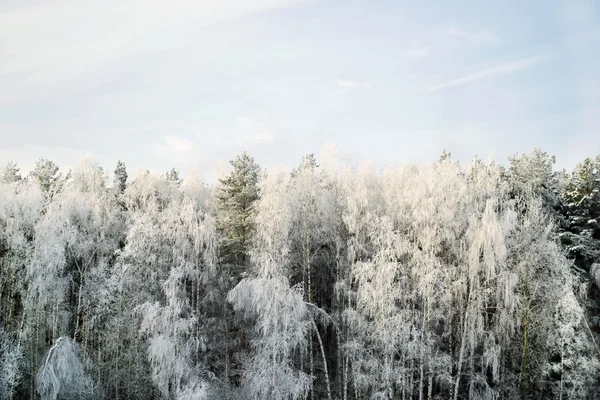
62,373
281,317
312,233
175,331
11,359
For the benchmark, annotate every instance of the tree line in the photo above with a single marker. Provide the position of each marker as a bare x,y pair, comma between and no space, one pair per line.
329,281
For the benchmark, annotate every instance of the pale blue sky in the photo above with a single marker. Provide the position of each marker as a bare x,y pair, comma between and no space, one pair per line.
189,84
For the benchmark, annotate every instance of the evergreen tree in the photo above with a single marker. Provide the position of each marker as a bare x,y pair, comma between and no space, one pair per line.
308,162
420,281
47,176
581,193
236,198
581,196
534,172
278,312
446,155
11,173
10,373
120,179
173,176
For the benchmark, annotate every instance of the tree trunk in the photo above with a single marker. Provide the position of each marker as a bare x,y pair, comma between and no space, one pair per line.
324,361
339,362
312,367
463,345
561,373
55,322
345,391
430,386
422,369
306,251
525,365
78,316
411,382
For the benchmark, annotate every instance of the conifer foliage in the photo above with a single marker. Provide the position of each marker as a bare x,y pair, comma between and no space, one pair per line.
328,281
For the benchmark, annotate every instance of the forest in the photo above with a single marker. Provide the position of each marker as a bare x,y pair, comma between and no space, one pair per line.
333,280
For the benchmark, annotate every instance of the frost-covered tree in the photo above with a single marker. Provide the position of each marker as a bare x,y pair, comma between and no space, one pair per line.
177,328
362,203
581,189
571,371
173,176
20,210
47,176
534,172
11,173
236,196
61,373
581,196
120,177
66,278
312,235
47,310
141,267
424,281
427,204
10,359
235,199
166,293
446,155
280,314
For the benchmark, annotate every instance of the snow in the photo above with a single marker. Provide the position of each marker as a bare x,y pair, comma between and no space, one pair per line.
421,281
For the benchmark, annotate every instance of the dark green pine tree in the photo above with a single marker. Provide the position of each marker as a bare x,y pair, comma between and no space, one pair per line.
120,179
236,198
48,178
445,155
582,191
534,173
581,196
11,173
173,176
308,162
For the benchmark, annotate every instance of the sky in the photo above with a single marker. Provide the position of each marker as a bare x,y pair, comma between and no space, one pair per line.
189,84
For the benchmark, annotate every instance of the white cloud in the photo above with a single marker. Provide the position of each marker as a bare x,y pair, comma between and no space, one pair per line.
263,137
340,95
503,68
245,122
46,45
174,149
178,144
486,37
258,131
26,156
352,84
481,36
416,51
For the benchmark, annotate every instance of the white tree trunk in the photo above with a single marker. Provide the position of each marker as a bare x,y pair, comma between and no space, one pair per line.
324,361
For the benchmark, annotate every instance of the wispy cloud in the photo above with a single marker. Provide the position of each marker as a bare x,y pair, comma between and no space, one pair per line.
178,144
26,156
352,84
263,137
42,51
481,36
339,94
175,149
245,122
500,69
416,51
258,131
